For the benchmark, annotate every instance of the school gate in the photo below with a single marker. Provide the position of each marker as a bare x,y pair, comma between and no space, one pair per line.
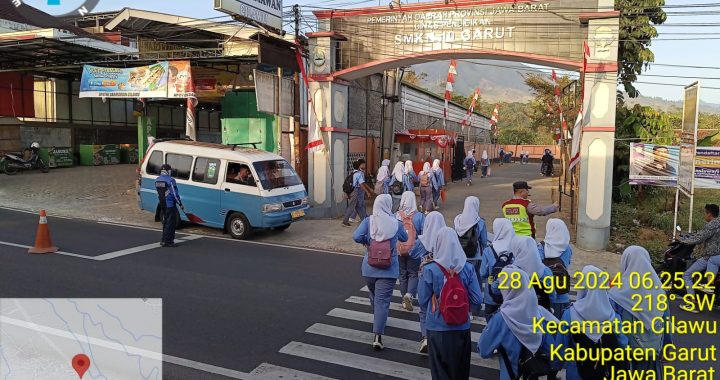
354,43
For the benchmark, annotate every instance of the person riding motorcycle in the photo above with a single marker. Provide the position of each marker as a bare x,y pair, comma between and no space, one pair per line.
547,163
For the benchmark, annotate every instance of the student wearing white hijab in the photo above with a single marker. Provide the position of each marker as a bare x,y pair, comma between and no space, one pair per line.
484,163
556,249
398,177
591,305
469,219
636,259
422,250
503,233
449,345
469,166
425,179
382,181
382,225
514,329
410,176
527,258
409,215
438,182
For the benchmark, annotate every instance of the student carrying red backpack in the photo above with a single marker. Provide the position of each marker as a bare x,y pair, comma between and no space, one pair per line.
448,288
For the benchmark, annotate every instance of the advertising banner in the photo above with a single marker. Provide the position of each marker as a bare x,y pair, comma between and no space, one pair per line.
180,80
93,155
136,82
655,165
57,157
707,167
688,138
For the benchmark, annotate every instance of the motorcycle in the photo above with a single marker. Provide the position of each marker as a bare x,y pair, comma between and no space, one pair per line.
676,259
13,163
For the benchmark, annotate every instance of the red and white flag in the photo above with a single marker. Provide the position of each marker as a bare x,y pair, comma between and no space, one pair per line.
315,140
577,129
495,115
556,87
452,72
468,116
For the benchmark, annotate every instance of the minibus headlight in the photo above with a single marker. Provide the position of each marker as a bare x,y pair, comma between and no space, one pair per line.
272,207
304,201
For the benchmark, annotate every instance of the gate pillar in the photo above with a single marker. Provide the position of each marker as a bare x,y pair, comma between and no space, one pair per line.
327,111
598,137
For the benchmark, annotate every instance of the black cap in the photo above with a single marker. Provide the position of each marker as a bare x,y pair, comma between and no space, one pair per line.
521,185
165,167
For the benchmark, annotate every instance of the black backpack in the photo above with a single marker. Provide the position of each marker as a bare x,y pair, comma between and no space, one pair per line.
557,266
469,242
348,187
501,261
543,297
397,187
530,366
592,370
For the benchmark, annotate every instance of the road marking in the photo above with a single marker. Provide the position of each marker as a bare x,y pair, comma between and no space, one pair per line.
29,246
399,344
128,251
398,307
361,362
31,212
391,321
209,368
272,372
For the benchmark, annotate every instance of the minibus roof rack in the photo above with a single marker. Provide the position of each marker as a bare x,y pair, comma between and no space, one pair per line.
254,144
172,139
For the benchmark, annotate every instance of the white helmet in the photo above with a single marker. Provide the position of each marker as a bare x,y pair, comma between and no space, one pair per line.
35,145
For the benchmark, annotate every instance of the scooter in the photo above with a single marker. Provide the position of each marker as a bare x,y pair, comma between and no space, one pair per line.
11,164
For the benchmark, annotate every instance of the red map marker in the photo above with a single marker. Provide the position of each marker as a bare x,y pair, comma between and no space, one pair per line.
81,363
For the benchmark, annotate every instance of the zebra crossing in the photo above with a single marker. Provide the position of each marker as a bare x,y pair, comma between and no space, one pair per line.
337,346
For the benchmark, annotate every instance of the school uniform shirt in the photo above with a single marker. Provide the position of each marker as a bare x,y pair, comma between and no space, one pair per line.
362,236
358,179
566,258
432,281
409,180
437,179
502,336
486,264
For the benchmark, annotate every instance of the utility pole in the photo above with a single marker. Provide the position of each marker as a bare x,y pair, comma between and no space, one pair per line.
295,121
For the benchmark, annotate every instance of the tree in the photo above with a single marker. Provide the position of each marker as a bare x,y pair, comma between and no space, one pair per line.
637,28
544,111
413,78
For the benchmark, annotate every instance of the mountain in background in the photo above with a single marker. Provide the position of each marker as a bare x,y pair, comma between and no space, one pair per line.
502,81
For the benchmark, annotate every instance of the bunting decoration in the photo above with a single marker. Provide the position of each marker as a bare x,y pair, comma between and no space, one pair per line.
468,117
577,128
452,72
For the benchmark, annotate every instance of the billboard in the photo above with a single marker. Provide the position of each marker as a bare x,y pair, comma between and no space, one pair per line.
688,138
180,80
655,165
264,12
707,167
135,82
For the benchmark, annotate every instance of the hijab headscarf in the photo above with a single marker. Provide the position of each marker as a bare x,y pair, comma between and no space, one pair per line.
399,171
408,204
520,308
448,252
503,233
592,305
409,167
527,256
557,238
383,171
484,155
436,165
469,153
469,217
383,224
434,222
426,168
637,259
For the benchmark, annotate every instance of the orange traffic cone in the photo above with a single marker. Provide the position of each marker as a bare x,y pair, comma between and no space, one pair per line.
43,243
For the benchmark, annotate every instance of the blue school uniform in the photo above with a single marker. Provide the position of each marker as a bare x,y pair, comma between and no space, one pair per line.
567,341
566,258
418,251
362,236
487,262
646,339
432,282
497,334
409,180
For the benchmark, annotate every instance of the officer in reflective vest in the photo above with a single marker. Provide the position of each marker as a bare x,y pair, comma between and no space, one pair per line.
521,211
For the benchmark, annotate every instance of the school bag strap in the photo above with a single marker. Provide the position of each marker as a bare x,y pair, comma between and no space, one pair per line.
506,360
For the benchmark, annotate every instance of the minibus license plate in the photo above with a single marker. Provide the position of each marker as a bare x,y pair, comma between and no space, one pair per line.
297,214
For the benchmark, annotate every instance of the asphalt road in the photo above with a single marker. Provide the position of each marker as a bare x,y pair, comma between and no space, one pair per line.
240,307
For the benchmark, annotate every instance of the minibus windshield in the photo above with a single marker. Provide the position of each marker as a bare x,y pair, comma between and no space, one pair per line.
276,173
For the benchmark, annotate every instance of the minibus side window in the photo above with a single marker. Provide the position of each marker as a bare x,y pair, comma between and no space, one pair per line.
240,174
154,163
206,170
181,165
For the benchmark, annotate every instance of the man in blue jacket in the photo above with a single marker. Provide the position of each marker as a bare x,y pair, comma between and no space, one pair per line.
169,198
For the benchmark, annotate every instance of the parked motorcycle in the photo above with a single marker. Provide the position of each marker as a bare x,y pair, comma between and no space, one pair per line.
13,163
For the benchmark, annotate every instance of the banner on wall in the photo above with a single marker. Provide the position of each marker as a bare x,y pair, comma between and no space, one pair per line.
172,79
655,165
707,167
180,80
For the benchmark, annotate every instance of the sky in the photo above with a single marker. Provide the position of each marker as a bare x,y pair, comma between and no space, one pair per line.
695,49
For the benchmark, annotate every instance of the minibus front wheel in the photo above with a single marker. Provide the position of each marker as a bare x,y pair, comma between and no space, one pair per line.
238,226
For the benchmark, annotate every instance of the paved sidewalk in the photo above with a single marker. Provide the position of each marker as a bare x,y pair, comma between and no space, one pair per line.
108,194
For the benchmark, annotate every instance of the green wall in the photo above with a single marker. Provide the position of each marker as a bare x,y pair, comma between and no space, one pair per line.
242,123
